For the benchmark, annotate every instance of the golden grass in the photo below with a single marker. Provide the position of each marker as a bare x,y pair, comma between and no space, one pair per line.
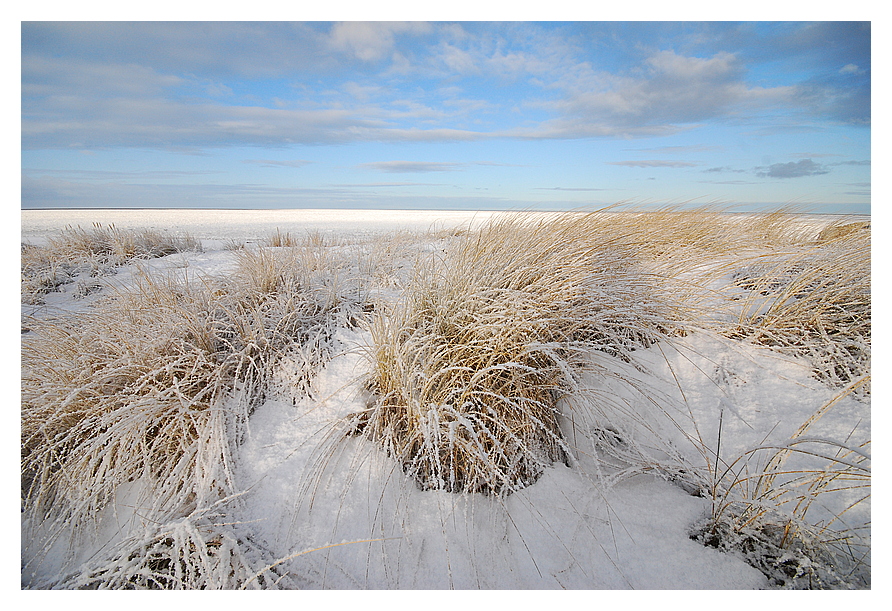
762,497
469,367
95,252
813,302
281,240
311,239
132,391
155,384
120,245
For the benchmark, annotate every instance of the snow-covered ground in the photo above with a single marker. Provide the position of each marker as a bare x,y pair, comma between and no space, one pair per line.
213,226
372,528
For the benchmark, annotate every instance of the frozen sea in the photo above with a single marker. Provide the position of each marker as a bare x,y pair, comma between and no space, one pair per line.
249,225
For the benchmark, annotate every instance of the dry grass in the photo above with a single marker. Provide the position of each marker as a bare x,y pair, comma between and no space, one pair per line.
311,239
672,233
281,240
155,385
469,367
136,390
796,288
762,501
194,552
813,302
119,246
91,252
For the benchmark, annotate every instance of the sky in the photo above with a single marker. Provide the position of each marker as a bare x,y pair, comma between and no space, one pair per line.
445,115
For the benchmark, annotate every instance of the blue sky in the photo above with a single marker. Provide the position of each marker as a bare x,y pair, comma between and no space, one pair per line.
445,115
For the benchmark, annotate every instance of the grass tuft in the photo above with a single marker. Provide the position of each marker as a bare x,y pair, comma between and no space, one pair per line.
91,252
764,499
813,302
156,382
194,552
470,364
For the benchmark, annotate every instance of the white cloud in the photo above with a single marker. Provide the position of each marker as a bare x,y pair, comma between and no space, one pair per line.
721,67
669,93
159,122
401,109
681,89
538,85
517,63
502,51
55,77
371,41
362,93
458,60
431,166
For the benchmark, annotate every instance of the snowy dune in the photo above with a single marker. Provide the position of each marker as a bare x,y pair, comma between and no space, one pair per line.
302,486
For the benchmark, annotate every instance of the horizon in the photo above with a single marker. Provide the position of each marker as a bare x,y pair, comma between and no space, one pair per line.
446,115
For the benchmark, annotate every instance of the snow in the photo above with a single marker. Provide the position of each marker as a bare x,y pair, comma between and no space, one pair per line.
565,531
569,530
216,226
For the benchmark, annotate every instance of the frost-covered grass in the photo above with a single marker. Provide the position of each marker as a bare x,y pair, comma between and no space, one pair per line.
813,301
469,365
78,254
315,410
155,385
762,497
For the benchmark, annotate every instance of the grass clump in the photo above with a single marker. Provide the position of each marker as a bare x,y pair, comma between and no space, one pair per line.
494,353
768,506
470,365
194,552
118,246
91,252
136,390
814,302
281,240
155,384
312,239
